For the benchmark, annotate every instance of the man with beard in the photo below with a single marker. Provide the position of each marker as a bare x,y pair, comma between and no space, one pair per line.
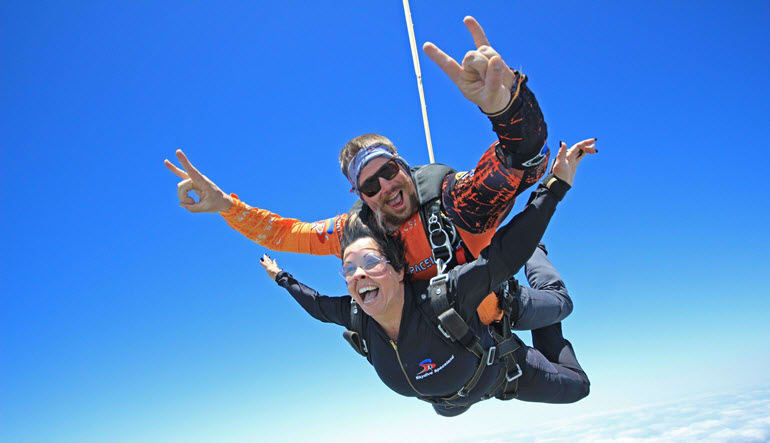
467,207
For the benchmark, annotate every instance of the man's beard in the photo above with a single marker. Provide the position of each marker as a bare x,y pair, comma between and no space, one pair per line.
391,223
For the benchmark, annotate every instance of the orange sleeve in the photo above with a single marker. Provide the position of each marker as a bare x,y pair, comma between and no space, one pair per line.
285,234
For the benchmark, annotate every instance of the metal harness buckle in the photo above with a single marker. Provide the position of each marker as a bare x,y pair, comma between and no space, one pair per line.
491,355
514,377
434,227
440,279
445,333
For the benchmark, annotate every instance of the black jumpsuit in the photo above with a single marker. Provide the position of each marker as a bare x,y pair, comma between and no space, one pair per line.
422,363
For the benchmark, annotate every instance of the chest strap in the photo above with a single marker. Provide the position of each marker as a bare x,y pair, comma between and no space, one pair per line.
442,234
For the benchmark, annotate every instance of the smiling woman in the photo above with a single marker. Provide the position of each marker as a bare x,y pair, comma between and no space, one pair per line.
398,330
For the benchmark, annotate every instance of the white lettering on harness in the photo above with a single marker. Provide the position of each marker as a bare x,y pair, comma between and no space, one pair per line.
422,265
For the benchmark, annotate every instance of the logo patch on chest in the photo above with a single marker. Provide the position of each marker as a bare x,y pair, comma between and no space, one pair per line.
428,368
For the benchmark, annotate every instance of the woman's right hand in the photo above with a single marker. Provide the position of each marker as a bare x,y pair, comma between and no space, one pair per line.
271,267
567,160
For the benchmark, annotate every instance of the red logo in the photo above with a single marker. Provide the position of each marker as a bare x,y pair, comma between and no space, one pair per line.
319,228
427,365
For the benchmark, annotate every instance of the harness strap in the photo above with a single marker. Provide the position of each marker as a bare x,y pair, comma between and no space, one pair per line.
455,328
508,343
507,299
353,335
355,340
508,380
451,321
507,346
487,359
468,387
442,235
511,379
437,289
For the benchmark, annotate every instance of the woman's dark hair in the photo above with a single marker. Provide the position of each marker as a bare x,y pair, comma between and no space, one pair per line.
391,245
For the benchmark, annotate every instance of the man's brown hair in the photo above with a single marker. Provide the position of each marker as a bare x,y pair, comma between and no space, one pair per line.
352,147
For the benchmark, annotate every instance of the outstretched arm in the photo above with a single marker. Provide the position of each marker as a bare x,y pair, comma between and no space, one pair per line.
515,242
323,308
262,226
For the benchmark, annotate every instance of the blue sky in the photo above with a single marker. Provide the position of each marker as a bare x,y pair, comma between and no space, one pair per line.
125,318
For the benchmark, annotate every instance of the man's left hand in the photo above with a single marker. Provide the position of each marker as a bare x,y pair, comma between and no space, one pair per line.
483,78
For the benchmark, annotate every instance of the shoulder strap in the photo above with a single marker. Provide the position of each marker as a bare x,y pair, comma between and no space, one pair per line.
441,232
454,327
428,180
450,323
354,335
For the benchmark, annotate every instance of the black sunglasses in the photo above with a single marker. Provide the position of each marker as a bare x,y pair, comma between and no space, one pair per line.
371,186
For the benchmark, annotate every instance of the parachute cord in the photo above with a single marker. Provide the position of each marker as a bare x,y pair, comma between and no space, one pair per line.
416,62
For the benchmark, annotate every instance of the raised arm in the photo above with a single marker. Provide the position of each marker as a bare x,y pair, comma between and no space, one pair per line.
519,157
266,228
515,242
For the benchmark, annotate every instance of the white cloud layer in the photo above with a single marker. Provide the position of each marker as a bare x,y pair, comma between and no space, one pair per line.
741,417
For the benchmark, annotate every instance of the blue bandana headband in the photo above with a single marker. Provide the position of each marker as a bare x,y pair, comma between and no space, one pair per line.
363,157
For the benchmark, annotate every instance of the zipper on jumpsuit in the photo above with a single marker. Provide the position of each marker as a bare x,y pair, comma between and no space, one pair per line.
403,371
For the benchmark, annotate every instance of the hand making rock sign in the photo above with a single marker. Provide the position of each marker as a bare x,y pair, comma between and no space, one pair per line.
483,77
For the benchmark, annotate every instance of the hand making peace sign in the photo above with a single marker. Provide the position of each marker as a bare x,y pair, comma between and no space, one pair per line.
212,199
483,78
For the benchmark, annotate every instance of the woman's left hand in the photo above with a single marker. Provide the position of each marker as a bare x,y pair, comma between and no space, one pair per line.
271,267
567,160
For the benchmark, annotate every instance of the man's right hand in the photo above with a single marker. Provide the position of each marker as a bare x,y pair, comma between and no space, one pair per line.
212,199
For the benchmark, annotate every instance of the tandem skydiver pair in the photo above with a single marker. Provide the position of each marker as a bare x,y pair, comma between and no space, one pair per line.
444,218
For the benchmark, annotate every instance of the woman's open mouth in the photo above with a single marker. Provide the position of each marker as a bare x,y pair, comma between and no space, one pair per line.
368,293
